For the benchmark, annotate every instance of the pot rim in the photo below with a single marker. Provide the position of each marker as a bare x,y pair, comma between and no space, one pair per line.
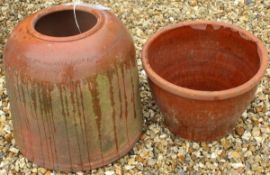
58,8
200,94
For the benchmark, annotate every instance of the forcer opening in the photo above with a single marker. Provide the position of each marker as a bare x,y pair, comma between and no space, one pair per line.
63,23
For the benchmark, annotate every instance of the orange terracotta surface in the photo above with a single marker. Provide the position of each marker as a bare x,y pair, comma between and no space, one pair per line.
203,75
74,96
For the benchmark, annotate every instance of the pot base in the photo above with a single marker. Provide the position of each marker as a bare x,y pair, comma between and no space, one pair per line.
86,166
203,136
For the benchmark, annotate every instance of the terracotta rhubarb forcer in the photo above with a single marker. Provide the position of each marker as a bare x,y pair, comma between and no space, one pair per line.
74,96
203,75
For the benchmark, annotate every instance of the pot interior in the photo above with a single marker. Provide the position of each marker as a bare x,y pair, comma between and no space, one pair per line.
62,23
204,57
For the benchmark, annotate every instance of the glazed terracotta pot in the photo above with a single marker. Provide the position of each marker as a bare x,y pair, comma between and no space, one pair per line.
203,75
74,96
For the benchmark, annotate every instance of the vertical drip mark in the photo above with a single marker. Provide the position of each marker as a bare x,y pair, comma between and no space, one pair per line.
26,119
26,115
110,74
44,103
17,113
84,122
125,96
77,104
49,112
68,115
34,104
65,120
133,94
41,108
120,99
50,107
72,91
97,110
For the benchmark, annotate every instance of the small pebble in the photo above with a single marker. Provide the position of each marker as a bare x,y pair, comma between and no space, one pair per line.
240,130
237,165
14,150
256,132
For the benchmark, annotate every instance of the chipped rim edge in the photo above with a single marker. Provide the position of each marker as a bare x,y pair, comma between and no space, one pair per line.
35,17
199,94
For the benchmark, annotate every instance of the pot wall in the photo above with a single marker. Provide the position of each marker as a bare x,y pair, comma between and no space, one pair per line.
75,103
200,120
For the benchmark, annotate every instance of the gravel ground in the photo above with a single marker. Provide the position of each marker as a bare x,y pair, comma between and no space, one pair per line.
245,151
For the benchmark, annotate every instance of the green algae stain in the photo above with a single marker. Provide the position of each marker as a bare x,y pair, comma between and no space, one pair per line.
106,112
